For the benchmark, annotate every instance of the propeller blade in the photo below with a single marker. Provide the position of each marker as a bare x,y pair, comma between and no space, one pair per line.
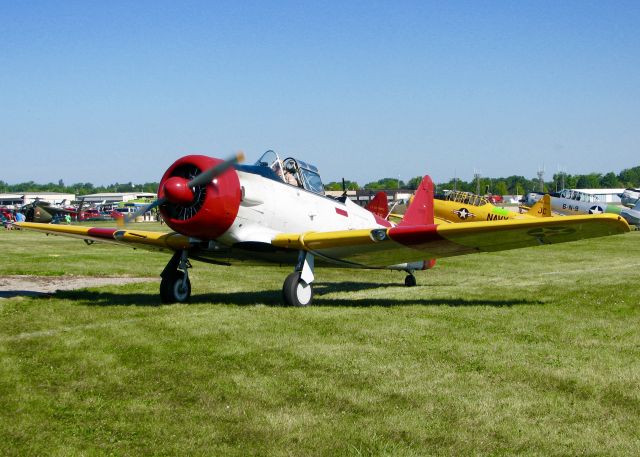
203,178
207,176
131,217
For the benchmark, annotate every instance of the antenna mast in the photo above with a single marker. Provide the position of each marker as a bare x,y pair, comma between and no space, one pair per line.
477,174
541,178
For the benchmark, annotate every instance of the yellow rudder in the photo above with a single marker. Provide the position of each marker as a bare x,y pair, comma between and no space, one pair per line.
542,207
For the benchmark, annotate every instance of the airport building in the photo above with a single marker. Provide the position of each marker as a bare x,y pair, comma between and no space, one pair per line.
106,198
24,198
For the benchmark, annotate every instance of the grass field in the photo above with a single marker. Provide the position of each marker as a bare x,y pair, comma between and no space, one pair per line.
533,352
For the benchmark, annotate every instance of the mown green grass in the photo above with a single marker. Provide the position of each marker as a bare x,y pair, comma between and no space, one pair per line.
533,352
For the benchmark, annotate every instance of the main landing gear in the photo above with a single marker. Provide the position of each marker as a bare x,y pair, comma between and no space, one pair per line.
410,280
175,285
297,289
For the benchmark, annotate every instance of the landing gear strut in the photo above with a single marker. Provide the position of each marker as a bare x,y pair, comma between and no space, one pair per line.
175,285
297,289
410,280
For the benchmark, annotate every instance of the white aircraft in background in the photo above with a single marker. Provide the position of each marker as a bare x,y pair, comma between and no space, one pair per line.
630,197
572,202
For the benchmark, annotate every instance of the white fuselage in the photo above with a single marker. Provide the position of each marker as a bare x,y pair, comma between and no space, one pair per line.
270,207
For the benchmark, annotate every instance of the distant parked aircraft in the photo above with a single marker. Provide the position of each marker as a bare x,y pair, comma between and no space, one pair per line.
456,206
573,202
44,212
630,197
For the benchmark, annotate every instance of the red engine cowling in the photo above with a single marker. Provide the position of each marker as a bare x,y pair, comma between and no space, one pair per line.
206,211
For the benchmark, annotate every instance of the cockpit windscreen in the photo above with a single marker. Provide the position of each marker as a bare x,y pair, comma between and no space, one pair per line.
312,181
269,159
292,171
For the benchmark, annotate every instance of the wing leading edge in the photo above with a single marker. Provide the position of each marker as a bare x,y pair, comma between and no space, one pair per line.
378,248
136,238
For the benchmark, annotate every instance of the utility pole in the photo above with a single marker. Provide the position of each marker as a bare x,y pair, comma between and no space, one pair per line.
541,178
477,174
562,174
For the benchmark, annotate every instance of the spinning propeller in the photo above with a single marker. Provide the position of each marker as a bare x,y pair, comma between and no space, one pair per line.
182,191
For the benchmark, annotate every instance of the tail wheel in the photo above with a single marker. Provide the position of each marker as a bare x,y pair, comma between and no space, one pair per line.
174,288
296,292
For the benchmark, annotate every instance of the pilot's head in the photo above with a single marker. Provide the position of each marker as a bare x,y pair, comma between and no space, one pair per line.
276,167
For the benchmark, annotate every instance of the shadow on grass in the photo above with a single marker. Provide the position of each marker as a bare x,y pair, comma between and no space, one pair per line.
23,293
93,298
274,298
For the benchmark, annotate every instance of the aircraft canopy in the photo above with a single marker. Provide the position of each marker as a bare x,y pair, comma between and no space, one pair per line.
466,198
293,171
578,196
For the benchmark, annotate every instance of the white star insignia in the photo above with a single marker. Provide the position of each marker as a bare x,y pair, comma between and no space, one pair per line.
463,213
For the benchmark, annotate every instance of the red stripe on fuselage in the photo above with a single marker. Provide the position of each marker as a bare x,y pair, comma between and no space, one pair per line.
381,221
342,212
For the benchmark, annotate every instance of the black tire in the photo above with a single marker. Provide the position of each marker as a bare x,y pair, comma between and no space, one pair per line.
171,289
410,281
296,292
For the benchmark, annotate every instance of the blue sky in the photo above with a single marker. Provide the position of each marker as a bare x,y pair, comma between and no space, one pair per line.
116,91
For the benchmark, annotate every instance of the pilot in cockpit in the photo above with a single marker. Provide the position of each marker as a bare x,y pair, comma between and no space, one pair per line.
277,169
290,178
289,174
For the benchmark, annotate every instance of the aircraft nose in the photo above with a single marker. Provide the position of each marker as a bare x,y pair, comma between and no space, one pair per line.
200,204
177,191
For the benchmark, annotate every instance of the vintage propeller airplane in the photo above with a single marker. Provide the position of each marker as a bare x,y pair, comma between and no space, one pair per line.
630,197
275,211
457,206
40,211
570,201
461,207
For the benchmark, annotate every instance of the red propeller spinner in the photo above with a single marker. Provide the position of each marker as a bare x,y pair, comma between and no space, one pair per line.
199,196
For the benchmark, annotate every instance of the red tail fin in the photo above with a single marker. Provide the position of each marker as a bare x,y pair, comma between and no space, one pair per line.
379,205
420,212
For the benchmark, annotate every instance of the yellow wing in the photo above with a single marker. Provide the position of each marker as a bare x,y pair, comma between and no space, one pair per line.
381,247
378,248
139,238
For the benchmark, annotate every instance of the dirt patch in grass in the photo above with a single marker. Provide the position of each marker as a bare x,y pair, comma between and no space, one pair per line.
35,286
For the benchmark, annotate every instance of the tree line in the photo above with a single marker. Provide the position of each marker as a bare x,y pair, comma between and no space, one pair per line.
512,185
80,189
